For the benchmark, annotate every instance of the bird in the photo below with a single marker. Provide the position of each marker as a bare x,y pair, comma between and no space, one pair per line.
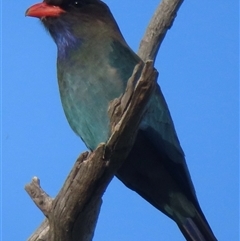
94,63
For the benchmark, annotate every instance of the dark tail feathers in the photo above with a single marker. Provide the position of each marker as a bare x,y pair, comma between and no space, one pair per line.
196,229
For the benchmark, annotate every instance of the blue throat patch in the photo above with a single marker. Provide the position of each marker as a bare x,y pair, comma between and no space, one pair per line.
64,38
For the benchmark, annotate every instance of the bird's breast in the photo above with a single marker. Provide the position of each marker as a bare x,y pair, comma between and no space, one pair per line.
86,91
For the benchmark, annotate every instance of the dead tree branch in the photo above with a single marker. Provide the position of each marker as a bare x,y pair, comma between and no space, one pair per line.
72,215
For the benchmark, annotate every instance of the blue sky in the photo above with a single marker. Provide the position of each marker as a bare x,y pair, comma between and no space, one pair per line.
198,73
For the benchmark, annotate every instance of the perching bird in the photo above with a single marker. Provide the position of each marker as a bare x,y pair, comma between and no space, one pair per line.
93,65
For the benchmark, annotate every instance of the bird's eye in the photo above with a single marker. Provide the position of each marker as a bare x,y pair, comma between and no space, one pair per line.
78,3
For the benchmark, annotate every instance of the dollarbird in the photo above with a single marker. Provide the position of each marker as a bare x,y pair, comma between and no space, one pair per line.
94,63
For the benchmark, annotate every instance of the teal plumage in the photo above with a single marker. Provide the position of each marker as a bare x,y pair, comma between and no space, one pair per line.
94,63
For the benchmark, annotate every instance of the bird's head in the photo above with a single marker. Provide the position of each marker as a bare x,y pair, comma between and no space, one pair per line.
71,22
49,9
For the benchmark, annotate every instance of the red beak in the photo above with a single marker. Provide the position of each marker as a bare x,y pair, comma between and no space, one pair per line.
41,10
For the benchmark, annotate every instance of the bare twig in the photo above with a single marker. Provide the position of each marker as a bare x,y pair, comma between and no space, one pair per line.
162,20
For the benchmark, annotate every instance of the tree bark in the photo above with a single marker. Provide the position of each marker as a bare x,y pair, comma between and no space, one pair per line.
73,214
